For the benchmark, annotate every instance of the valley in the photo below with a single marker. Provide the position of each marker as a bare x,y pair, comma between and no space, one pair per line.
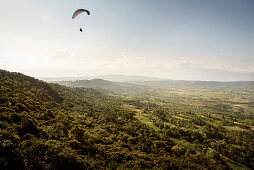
217,116
143,125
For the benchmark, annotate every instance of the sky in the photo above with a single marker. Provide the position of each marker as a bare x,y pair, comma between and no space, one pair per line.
175,39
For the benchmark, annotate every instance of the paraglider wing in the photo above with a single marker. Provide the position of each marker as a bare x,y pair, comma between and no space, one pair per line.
79,11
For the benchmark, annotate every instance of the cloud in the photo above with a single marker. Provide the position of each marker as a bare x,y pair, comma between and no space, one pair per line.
141,62
62,54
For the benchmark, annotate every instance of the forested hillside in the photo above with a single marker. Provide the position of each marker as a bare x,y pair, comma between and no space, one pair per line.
198,115
49,126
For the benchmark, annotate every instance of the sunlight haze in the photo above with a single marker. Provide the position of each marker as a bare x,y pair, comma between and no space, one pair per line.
191,40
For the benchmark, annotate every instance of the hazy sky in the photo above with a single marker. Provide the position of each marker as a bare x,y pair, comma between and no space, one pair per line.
177,39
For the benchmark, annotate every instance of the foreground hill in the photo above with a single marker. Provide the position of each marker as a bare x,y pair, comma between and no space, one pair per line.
48,126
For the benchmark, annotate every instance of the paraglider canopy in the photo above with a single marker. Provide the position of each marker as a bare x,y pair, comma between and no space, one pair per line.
79,11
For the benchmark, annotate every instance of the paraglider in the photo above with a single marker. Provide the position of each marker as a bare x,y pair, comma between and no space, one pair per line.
77,12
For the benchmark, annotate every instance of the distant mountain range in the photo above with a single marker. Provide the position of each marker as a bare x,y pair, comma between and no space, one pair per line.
142,87
104,86
115,78
182,83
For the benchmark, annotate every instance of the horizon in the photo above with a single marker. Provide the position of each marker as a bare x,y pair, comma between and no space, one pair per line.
130,76
199,40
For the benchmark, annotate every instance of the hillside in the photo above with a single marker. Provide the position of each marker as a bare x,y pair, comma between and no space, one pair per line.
200,116
48,126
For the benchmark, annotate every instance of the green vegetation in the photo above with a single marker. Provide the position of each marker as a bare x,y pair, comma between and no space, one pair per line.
148,125
145,120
